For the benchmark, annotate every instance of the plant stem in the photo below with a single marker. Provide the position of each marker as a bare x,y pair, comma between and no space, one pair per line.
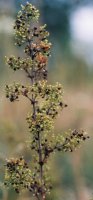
39,141
40,151
40,157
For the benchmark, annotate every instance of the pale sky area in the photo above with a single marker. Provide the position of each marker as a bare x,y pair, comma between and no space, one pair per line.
81,28
82,24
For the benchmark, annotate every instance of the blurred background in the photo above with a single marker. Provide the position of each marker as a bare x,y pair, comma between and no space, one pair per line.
70,23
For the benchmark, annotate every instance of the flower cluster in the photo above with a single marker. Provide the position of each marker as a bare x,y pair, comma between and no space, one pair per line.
52,96
12,92
22,24
66,142
20,177
17,174
15,90
70,140
39,51
19,63
42,123
37,47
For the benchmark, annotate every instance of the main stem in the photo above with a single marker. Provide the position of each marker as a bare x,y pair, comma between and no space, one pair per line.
39,139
